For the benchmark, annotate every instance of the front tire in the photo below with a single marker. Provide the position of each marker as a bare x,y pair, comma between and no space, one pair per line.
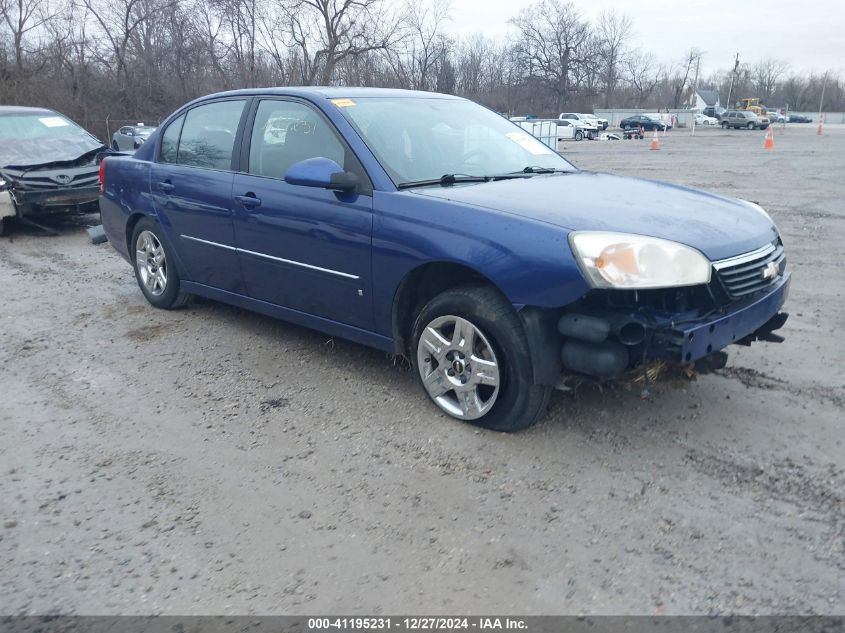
724,125
154,269
115,146
469,353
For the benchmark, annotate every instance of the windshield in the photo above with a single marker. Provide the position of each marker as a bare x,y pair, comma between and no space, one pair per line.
421,139
39,125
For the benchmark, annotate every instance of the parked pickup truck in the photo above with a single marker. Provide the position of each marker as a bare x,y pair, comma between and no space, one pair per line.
470,247
588,119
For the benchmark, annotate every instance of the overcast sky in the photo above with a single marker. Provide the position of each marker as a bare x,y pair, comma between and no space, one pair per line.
809,35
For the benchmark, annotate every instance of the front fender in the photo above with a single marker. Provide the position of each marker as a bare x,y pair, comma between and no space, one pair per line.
530,262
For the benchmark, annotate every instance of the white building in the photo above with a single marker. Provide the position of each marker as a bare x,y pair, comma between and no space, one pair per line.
704,98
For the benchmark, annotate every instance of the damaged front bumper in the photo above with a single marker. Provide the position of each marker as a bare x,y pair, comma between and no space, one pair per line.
755,319
79,199
51,189
605,341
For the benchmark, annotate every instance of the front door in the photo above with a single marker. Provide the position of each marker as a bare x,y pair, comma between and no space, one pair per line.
191,185
304,248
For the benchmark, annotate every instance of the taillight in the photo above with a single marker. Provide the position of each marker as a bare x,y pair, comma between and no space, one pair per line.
102,175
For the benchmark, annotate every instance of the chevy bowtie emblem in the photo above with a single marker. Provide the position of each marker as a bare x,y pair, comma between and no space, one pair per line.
62,179
770,271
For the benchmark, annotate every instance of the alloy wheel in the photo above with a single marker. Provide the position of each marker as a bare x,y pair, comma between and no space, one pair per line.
458,367
151,263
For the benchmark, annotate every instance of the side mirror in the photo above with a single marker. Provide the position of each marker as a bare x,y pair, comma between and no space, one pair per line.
321,172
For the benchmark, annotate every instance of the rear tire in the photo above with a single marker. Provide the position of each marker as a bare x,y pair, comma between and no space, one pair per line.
154,266
579,135
469,353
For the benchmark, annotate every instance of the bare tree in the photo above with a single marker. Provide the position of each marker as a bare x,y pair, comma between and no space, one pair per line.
416,58
327,32
552,37
140,59
18,18
642,75
614,30
767,73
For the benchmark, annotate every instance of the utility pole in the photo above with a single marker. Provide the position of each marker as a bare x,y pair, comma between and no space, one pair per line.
695,90
821,105
731,88
821,101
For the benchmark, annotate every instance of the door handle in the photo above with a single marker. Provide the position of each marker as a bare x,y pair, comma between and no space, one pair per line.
249,201
166,186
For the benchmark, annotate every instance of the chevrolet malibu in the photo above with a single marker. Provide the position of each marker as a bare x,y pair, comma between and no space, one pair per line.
428,226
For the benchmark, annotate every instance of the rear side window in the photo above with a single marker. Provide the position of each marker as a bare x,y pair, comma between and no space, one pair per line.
208,135
170,141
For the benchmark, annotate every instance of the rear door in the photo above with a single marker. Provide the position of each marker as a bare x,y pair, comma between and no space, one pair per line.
191,185
303,248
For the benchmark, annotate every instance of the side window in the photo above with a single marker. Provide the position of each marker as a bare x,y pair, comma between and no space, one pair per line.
287,132
208,135
170,141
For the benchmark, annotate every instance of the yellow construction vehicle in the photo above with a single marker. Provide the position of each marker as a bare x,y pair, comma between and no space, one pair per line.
752,104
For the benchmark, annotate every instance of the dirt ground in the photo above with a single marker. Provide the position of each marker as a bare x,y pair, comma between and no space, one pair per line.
215,461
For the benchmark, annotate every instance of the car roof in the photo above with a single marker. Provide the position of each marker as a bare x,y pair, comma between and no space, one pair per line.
11,110
335,92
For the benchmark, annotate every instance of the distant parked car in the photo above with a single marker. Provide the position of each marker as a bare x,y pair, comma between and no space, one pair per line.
775,117
48,164
743,119
586,119
645,122
130,137
567,129
703,119
715,111
799,118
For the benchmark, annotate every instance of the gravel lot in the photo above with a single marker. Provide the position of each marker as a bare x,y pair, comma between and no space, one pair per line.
215,461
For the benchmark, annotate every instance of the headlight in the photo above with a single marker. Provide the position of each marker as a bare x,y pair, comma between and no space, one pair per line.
620,260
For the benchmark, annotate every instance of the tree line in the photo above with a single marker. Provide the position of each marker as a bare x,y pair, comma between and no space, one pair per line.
141,59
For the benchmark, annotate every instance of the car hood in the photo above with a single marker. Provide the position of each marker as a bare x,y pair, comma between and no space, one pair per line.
46,151
718,226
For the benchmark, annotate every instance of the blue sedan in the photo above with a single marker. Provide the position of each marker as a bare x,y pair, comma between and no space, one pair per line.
429,226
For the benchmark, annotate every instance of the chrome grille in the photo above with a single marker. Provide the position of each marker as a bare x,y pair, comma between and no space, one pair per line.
49,179
749,273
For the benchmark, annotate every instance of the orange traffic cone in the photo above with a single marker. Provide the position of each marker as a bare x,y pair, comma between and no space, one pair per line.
770,139
819,130
655,142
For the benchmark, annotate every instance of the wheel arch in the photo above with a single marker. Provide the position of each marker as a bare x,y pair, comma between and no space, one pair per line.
422,284
132,222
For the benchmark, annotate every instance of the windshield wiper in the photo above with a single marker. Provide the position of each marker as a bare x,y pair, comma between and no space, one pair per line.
444,181
533,169
451,179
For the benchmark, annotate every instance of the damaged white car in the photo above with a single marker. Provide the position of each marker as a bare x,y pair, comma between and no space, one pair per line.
48,164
